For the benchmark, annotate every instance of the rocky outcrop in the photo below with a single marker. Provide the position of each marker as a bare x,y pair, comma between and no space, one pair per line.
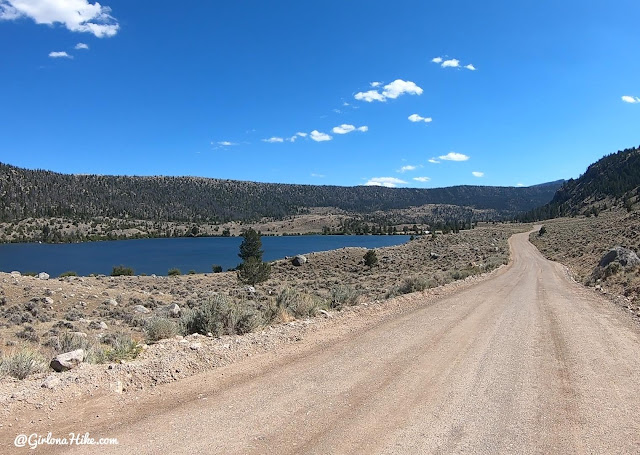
67,361
624,256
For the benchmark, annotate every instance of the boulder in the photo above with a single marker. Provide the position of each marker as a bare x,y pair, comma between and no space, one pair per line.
299,260
68,360
15,274
624,256
43,276
110,302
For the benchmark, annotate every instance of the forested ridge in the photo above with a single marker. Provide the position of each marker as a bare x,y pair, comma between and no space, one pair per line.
611,181
26,193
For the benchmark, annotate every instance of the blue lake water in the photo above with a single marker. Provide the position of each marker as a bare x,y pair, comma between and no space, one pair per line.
159,255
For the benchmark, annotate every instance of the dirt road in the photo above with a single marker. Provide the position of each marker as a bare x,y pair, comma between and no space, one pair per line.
526,362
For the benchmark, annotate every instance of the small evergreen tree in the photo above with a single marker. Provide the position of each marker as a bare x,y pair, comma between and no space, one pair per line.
251,245
370,258
254,271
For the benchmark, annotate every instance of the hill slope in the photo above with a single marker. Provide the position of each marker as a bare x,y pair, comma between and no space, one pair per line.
611,181
37,193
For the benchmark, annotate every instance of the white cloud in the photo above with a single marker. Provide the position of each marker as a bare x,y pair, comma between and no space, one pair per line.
226,143
470,67
478,174
631,99
437,60
59,55
392,90
344,129
320,176
453,63
453,156
75,15
371,95
434,161
389,182
408,167
418,118
346,104
320,137
400,87
422,179
81,46
376,84
301,134
273,140
520,184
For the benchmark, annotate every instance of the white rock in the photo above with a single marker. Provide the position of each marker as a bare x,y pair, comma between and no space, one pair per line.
51,382
68,360
141,309
43,276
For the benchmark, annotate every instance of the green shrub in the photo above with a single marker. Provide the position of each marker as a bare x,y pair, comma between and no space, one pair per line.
116,346
297,304
220,316
158,328
174,272
216,268
69,341
411,284
121,270
342,296
370,258
191,272
542,231
22,363
69,273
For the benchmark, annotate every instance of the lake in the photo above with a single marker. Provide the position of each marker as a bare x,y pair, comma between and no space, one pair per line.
157,256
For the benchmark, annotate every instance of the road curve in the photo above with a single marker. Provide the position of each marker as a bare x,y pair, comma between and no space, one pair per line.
525,362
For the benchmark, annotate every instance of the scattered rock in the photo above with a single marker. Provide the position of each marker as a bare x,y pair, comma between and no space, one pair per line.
16,274
67,361
195,346
174,310
141,309
51,382
43,276
111,302
48,300
98,325
325,313
299,260
434,255
250,290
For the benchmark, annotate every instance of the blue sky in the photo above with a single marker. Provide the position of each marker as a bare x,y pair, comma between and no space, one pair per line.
320,92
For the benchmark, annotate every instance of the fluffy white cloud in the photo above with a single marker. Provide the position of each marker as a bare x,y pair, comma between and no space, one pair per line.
389,182
391,90
437,60
453,156
344,129
434,161
422,179
470,67
400,87
453,63
418,118
478,174
273,140
81,46
408,167
376,84
320,137
59,55
371,95
631,99
75,15
226,143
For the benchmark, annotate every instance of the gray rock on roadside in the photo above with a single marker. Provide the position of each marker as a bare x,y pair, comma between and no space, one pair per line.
67,361
299,260
51,382
624,256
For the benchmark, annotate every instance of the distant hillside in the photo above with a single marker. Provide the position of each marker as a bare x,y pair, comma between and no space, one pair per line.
611,181
37,193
